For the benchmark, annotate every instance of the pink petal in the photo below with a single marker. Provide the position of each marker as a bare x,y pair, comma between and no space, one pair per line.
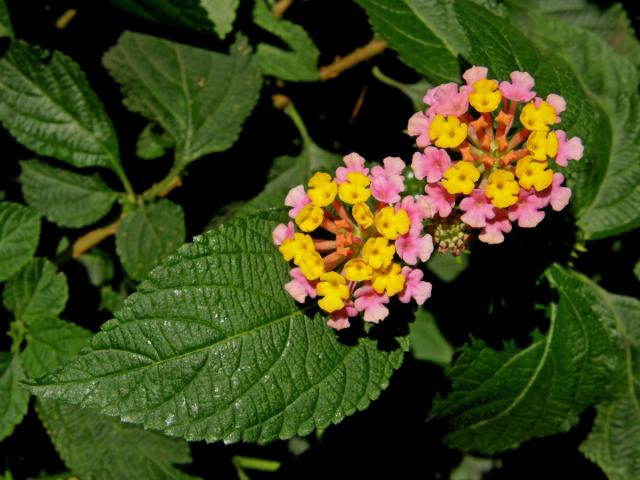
477,208
520,87
340,319
557,195
431,164
440,201
493,232
526,210
414,287
282,232
475,73
386,182
367,300
571,149
410,247
354,163
299,287
445,99
297,198
419,127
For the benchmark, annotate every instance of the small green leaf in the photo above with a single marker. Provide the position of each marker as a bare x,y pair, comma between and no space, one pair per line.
200,98
100,447
472,468
6,29
426,34
152,144
447,267
66,198
500,398
202,15
50,343
99,266
614,442
300,63
148,235
14,399
111,300
636,270
211,347
19,236
427,343
37,291
47,105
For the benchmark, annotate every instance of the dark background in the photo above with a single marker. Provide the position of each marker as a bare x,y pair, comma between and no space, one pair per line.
392,436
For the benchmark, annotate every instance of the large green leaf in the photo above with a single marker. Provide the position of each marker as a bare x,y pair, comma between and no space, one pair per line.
14,400
425,33
300,63
47,105
211,347
614,442
19,236
203,15
36,291
606,183
148,235
500,398
200,98
66,198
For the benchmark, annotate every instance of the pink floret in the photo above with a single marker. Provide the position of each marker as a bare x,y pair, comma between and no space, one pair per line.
419,127
477,209
439,200
474,74
556,195
387,182
299,287
414,287
367,300
354,163
446,99
526,211
571,149
412,246
431,164
340,319
297,198
519,89
495,228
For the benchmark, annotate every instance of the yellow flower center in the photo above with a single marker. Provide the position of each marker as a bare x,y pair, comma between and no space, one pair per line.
378,253
355,189
485,96
309,218
357,270
532,173
542,144
447,132
461,178
391,224
502,188
389,279
334,291
322,189
538,118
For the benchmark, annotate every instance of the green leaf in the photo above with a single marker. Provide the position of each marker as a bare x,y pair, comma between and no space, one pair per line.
66,198
111,300
37,291
50,343
636,270
614,442
47,105
19,236
100,447
6,30
425,33
500,398
300,63
152,144
472,468
200,98
14,399
202,15
211,348
606,183
448,267
427,343
148,235
99,266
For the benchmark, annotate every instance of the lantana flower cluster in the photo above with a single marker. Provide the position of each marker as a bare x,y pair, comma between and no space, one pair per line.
354,240
489,156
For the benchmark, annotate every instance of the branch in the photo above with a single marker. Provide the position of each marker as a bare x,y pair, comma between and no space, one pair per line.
281,6
359,55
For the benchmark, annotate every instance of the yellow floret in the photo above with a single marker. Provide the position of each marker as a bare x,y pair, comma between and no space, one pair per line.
532,173
334,290
502,188
309,218
362,213
391,224
389,279
355,189
322,189
538,118
461,178
311,265
542,144
293,248
378,253
447,132
485,96
357,270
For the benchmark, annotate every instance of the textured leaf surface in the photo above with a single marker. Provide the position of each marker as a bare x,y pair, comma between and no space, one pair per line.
19,236
66,198
50,343
148,235
47,105
425,33
300,63
200,98
614,442
36,291
211,347
192,14
500,398
606,183
427,343
14,400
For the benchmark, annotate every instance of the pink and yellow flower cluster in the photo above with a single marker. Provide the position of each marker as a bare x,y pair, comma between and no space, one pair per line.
487,152
353,241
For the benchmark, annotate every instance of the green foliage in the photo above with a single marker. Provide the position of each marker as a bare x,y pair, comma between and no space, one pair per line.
6,30
200,98
100,447
19,235
152,144
63,197
298,64
448,267
614,442
47,105
14,400
427,343
501,398
99,266
149,234
35,292
211,347
203,15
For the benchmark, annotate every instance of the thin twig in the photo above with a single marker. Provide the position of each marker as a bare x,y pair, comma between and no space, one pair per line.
281,6
359,55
